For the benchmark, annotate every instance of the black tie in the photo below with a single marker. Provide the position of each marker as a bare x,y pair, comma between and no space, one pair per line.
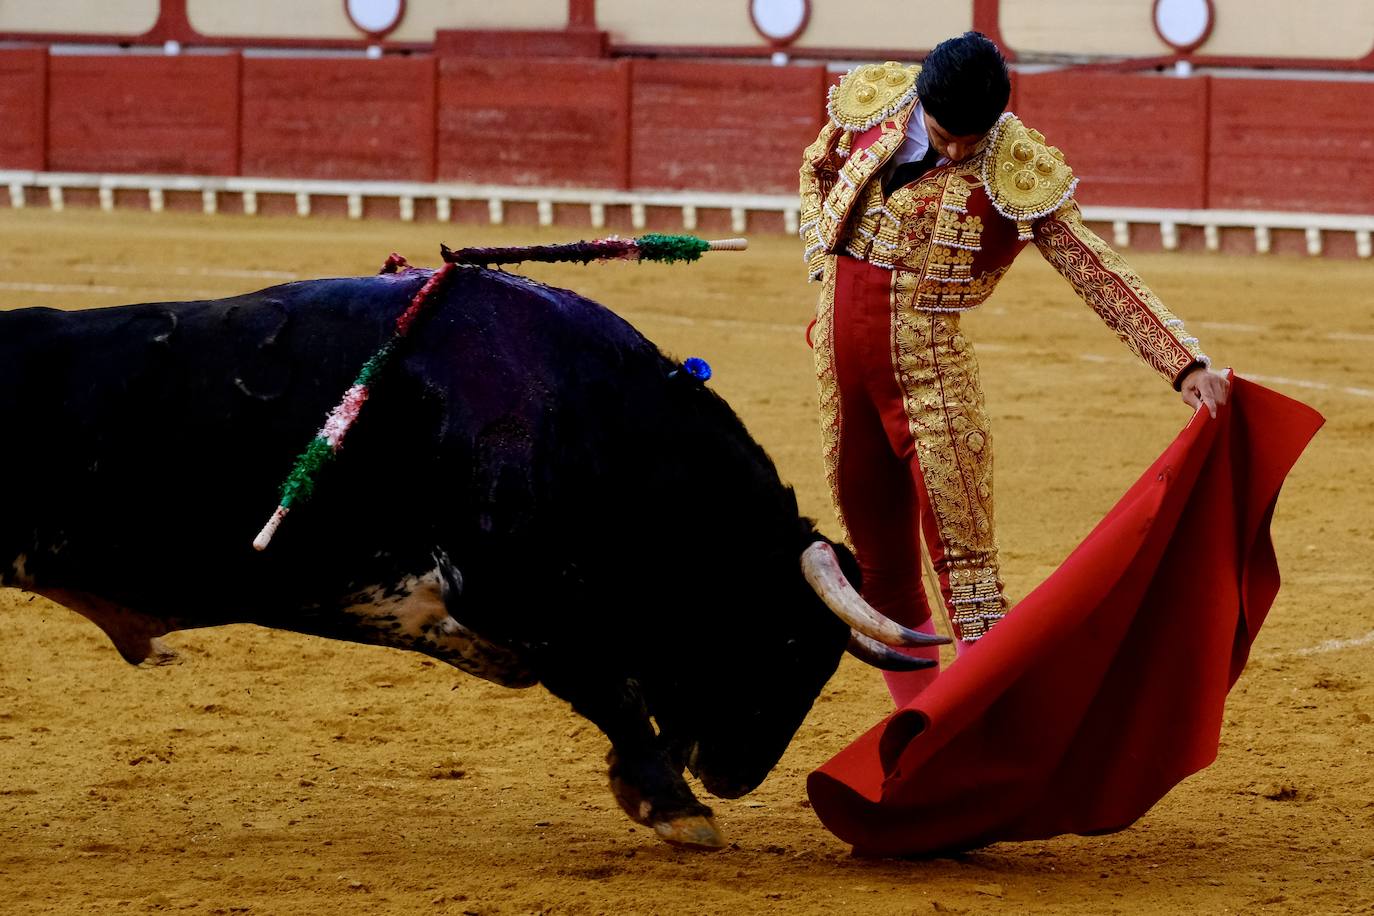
908,172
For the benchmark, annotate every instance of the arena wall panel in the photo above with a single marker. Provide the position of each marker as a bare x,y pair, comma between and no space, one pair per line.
259,19
23,106
1281,28
1132,140
707,22
144,114
560,123
883,24
1125,27
108,17
339,118
1292,145
425,17
327,19
722,127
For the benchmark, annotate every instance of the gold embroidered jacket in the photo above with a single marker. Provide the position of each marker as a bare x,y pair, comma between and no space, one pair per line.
952,234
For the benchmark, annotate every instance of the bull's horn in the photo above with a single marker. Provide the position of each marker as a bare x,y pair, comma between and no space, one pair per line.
822,571
874,653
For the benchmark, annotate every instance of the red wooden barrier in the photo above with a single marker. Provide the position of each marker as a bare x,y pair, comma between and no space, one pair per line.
722,127
23,108
1138,141
534,121
1134,140
339,118
1292,145
144,114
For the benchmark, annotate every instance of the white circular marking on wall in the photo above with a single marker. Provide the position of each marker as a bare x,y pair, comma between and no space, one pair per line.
780,21
1183,24
375,17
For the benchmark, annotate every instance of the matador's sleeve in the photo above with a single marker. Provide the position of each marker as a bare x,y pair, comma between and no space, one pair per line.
1029,182
817,177
1120,298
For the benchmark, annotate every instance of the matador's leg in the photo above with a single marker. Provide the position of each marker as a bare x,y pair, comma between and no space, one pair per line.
869,478
952,464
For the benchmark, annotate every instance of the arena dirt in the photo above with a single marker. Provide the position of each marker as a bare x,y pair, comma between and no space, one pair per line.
277,774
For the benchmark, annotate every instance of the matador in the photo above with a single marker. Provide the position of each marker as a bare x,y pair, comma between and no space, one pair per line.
916,197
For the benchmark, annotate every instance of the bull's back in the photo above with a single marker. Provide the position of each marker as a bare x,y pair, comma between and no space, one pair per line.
156,435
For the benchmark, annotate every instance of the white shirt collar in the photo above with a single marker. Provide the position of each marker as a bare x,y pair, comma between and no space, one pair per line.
917,140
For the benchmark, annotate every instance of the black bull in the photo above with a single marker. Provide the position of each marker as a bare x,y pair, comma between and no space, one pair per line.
533,493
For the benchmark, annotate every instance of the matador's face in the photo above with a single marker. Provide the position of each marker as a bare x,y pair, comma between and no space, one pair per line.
954,147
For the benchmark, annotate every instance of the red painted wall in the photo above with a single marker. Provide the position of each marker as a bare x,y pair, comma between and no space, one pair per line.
144,114
1132,140
1136,140
1292,145
723,127
23,105
534,122
339,118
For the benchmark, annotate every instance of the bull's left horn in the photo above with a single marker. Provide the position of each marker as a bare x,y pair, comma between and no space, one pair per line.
886,658
822,571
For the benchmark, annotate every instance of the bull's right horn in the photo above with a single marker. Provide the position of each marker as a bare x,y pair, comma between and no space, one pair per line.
822,571
886,658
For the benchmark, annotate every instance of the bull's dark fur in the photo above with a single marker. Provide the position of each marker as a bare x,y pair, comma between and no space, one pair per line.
613,525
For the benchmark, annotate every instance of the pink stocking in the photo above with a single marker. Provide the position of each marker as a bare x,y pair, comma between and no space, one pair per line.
905,686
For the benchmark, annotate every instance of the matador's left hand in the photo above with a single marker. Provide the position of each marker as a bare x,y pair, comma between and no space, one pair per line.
1203,386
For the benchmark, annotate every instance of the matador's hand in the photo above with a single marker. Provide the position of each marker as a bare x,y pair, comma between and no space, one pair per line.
1203,386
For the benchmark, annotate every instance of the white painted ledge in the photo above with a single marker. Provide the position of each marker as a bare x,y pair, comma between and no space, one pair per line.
737,207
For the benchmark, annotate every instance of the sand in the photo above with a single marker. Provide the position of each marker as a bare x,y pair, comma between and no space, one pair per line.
278,774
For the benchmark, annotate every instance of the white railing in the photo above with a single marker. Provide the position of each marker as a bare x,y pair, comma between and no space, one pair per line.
689,203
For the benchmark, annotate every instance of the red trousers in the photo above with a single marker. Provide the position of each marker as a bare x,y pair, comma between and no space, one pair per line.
908,453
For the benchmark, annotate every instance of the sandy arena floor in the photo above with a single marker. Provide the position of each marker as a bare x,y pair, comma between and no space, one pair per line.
276,774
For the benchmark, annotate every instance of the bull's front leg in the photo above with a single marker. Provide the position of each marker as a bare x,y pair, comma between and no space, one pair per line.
645,779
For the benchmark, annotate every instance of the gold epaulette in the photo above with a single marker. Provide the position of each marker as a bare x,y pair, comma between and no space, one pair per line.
1025,177
871,93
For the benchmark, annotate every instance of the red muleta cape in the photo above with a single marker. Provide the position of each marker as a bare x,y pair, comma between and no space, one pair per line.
1105,686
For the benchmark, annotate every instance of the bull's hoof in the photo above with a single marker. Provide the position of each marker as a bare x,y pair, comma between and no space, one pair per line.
159,654
692,832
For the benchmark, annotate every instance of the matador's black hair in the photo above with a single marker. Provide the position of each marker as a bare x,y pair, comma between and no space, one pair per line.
964,84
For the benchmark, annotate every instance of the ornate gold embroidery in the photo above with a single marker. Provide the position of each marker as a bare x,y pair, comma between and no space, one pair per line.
868,94
935,296
817,177
936,245
1116,293
944,406
853,176
955,229
828,389
906,222
871,236
1025,178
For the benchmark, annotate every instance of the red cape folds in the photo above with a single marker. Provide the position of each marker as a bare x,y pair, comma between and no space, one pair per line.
1104,688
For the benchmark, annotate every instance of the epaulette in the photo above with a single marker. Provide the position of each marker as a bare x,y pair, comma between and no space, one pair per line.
1025,177
869,94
